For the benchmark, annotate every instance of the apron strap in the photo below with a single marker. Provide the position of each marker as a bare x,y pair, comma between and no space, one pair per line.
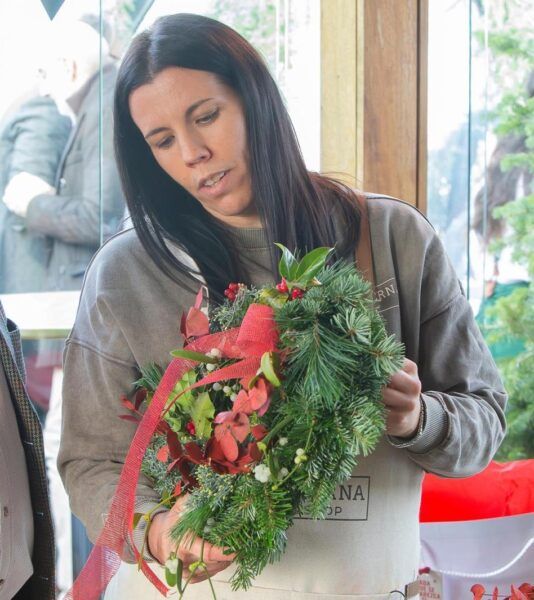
364,256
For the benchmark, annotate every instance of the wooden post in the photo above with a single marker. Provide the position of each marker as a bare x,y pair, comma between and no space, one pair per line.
374,62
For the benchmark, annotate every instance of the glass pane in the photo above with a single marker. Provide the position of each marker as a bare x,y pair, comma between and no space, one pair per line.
480,179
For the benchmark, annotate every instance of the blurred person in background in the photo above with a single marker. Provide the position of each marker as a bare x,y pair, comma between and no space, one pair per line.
33,135
83,207
26,533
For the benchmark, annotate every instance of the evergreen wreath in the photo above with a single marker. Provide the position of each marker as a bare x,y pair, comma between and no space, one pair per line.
254,453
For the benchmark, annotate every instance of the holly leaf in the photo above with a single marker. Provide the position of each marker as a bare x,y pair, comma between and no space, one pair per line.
202,412
288,263
184,400
311,264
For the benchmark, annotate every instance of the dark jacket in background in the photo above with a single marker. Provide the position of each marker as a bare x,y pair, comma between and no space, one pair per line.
32,140
88,206
41,585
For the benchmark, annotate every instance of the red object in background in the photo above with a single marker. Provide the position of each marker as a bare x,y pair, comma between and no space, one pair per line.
501,490
38,381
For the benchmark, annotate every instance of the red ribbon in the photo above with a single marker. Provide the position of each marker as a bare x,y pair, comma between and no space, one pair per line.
256,335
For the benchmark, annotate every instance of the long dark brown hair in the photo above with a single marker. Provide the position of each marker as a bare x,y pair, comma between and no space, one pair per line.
295,206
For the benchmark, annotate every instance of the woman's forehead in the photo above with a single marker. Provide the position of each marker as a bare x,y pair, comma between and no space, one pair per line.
173,92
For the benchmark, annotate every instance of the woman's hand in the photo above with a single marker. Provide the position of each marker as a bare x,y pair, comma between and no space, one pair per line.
160,545
402,397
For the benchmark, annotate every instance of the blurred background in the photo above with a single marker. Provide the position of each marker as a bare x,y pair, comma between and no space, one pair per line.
447,124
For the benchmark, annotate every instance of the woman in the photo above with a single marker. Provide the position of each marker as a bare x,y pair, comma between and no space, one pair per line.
213,175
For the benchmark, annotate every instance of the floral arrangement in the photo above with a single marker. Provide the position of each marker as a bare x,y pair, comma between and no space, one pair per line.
281,394
524,592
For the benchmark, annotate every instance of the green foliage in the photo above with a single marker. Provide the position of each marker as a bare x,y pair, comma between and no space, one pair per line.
328,411
163,482
513,315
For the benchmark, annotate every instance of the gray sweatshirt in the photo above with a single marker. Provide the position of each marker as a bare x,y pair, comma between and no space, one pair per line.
129,316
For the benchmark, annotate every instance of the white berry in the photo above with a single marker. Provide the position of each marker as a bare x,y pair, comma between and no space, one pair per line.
262,473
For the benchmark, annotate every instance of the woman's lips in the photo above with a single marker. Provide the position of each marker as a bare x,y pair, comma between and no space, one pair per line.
216,189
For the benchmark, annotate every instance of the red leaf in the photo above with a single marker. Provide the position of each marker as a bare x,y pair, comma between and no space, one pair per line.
229,446
517,595
139,398
259,394
127,404
264,408
198,299
163,427
243,404
240,427
129,418
527,588
194,453
196,323
175,447
183,325
163,454
223,416
176,461
259,432
478,591
254,451
177,489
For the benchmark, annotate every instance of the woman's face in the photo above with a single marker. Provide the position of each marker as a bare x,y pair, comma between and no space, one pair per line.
195,127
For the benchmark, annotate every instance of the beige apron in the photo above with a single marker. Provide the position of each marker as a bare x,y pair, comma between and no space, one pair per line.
367,547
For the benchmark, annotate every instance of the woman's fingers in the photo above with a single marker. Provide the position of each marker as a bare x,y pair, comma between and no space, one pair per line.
211,553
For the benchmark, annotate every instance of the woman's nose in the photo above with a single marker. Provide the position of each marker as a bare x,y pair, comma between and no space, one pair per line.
194,150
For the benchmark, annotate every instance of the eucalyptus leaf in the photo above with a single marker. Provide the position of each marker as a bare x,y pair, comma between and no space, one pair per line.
267,366
170,578
190,355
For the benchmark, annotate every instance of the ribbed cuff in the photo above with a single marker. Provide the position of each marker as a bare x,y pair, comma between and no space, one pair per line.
142,505
433,431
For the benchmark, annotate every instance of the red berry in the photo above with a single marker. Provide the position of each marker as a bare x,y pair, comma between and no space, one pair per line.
297,293
190,428
282,286
233,287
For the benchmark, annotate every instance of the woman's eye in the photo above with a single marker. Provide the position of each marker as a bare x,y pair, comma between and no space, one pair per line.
208,118
165,143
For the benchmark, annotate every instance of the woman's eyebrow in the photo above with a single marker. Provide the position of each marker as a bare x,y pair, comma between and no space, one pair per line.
188,112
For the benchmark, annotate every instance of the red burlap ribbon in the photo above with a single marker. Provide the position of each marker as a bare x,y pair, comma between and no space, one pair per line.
256,335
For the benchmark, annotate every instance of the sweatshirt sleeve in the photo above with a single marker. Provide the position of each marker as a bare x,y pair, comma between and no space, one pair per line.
463,395
95,440
99,368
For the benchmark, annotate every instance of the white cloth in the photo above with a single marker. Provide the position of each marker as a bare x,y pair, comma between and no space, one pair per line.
59,501
493,552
